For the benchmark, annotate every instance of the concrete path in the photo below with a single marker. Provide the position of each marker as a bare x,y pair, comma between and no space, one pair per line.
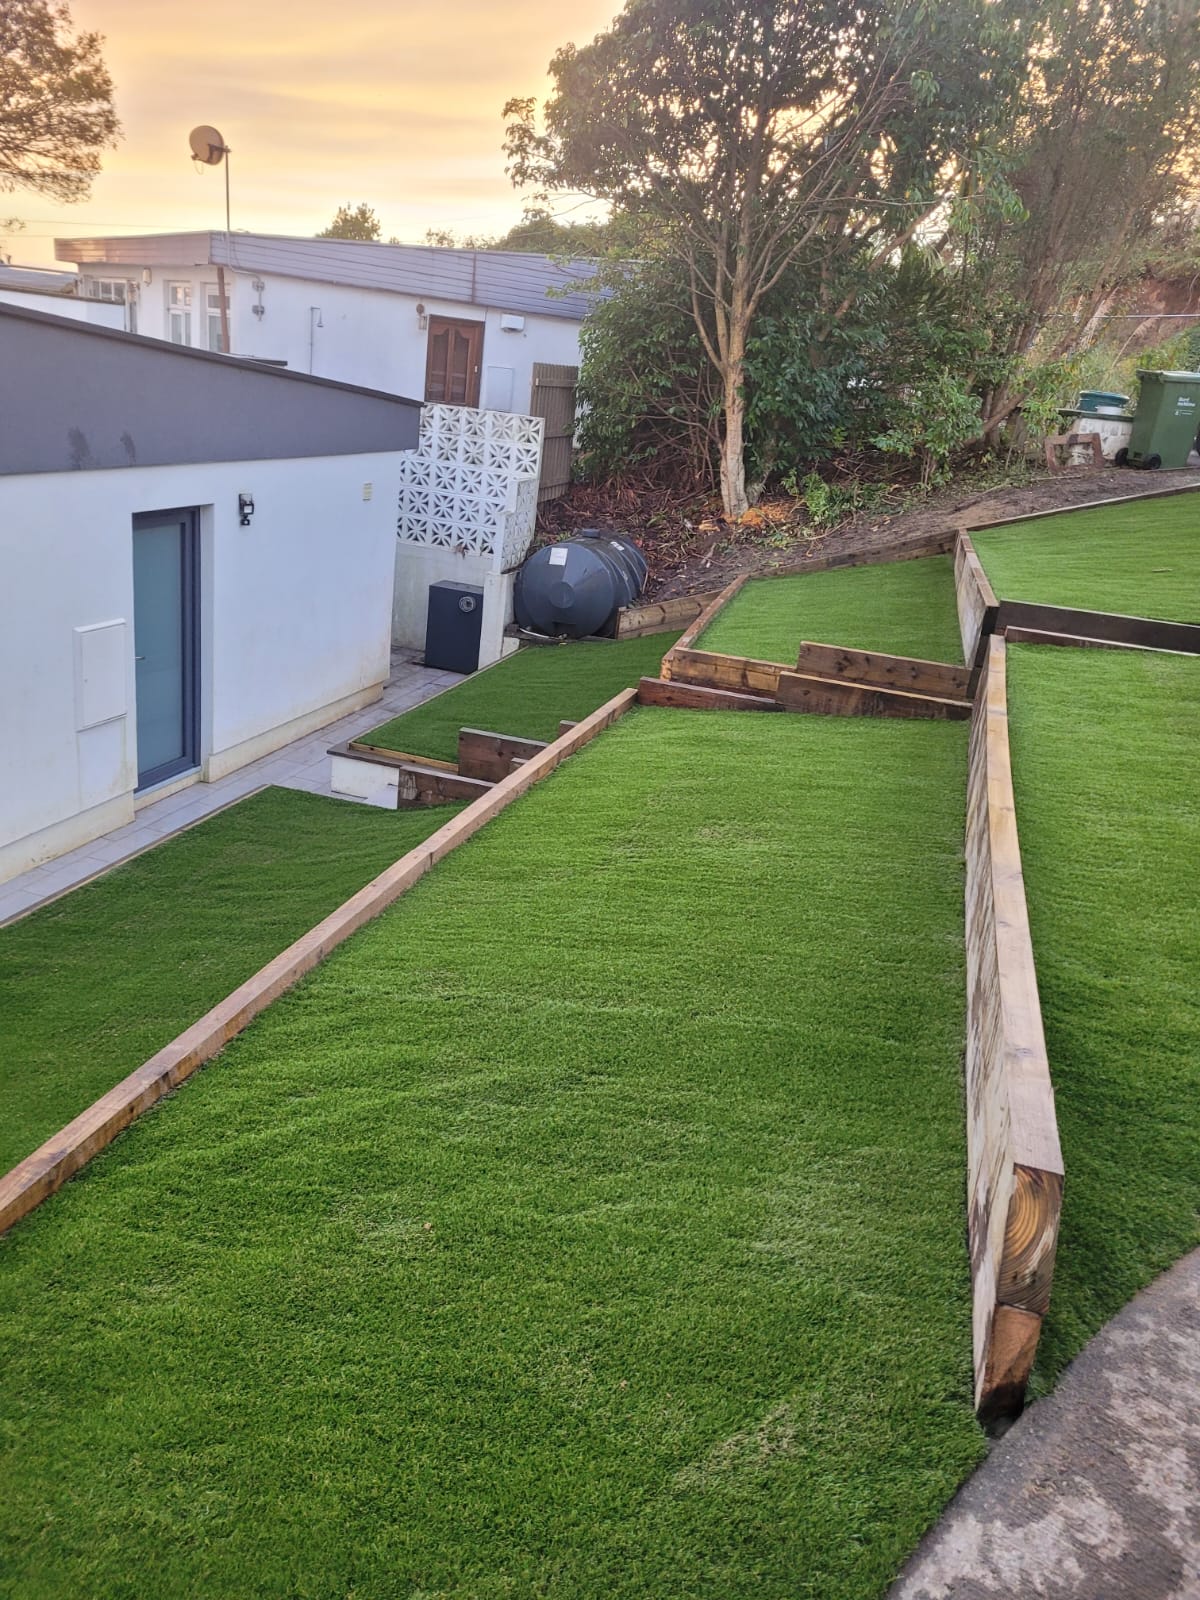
1094,1494
303,764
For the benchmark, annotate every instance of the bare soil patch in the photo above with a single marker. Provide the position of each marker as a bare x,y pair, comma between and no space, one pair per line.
690,547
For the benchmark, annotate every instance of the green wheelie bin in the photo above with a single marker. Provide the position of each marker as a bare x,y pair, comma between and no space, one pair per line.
1167,419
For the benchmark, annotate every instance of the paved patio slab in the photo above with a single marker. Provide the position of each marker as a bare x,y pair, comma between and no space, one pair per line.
1094,1494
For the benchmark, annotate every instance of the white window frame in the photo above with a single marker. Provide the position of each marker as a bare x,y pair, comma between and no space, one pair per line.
212,315
178,310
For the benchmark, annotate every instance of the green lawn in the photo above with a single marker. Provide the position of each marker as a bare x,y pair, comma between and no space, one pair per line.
527,695
1140,560
903,608
1104,761
591,1225
96,982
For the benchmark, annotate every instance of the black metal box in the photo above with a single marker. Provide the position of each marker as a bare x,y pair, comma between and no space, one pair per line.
452,626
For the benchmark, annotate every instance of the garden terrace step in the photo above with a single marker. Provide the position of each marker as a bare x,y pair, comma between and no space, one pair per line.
696,697
743,674
875,670
482,754
800,691
384,778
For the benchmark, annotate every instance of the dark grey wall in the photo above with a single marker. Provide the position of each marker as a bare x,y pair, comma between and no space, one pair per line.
74,397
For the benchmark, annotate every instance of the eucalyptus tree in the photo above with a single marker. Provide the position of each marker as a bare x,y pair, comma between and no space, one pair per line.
751,135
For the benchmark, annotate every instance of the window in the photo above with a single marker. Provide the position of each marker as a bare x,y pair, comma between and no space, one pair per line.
179,313
212,302
117,292
114,289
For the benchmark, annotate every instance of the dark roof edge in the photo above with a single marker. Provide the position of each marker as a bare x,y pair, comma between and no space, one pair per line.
141,341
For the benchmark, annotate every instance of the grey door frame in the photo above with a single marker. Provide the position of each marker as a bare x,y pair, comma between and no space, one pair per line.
188,518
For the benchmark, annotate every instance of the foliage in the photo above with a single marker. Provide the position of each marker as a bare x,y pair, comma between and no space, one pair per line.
1097,156
931,420
56,101
649,398
1113,367
544,234
817,385
826,504
353,222
759,134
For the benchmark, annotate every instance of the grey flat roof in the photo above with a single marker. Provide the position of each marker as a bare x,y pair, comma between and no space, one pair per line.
91,397
501,280
37,280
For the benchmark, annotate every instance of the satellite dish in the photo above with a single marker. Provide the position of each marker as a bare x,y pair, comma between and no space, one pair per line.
207,146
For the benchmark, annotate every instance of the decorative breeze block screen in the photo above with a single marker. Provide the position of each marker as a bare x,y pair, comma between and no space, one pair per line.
471,485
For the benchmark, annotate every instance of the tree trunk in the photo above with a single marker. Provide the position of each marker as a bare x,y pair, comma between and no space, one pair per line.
733,462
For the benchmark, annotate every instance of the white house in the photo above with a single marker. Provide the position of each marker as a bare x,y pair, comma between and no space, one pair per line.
196,560
39,289
463,327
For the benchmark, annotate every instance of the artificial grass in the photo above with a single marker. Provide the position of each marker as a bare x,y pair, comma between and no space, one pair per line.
590,1225
94,983
1104,763
527,694
1139,560
902,608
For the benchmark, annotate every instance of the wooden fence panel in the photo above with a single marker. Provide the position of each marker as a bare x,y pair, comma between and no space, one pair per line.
553,397
1014,1161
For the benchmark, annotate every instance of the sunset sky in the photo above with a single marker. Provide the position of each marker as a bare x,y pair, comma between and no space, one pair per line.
388,101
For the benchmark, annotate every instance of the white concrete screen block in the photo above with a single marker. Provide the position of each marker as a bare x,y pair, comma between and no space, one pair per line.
100,674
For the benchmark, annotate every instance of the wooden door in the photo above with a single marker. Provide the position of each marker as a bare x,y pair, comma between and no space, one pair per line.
553,397
452,364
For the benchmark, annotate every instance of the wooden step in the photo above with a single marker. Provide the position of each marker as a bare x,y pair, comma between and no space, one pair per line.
482,754
392,758
419,785
800,691
714,671
939,678
696,697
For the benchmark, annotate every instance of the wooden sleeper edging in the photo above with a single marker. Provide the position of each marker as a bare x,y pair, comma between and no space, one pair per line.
61,1156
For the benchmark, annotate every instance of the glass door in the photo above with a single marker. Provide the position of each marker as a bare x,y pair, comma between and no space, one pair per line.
166,595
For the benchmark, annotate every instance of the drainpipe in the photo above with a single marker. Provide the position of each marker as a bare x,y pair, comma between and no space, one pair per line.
314,322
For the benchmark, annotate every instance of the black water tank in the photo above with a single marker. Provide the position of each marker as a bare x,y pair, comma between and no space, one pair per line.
577,587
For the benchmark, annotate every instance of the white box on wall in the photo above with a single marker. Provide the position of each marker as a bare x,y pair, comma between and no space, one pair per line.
100,690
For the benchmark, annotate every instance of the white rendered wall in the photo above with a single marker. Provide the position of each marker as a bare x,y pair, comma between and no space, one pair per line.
369,337
295,625
100,313
417,566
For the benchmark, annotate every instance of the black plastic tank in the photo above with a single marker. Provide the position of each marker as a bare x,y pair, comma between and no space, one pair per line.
577,587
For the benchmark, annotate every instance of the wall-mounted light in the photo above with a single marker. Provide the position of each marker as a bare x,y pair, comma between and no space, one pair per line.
422,318
510,323
147,275
245,509
259,310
